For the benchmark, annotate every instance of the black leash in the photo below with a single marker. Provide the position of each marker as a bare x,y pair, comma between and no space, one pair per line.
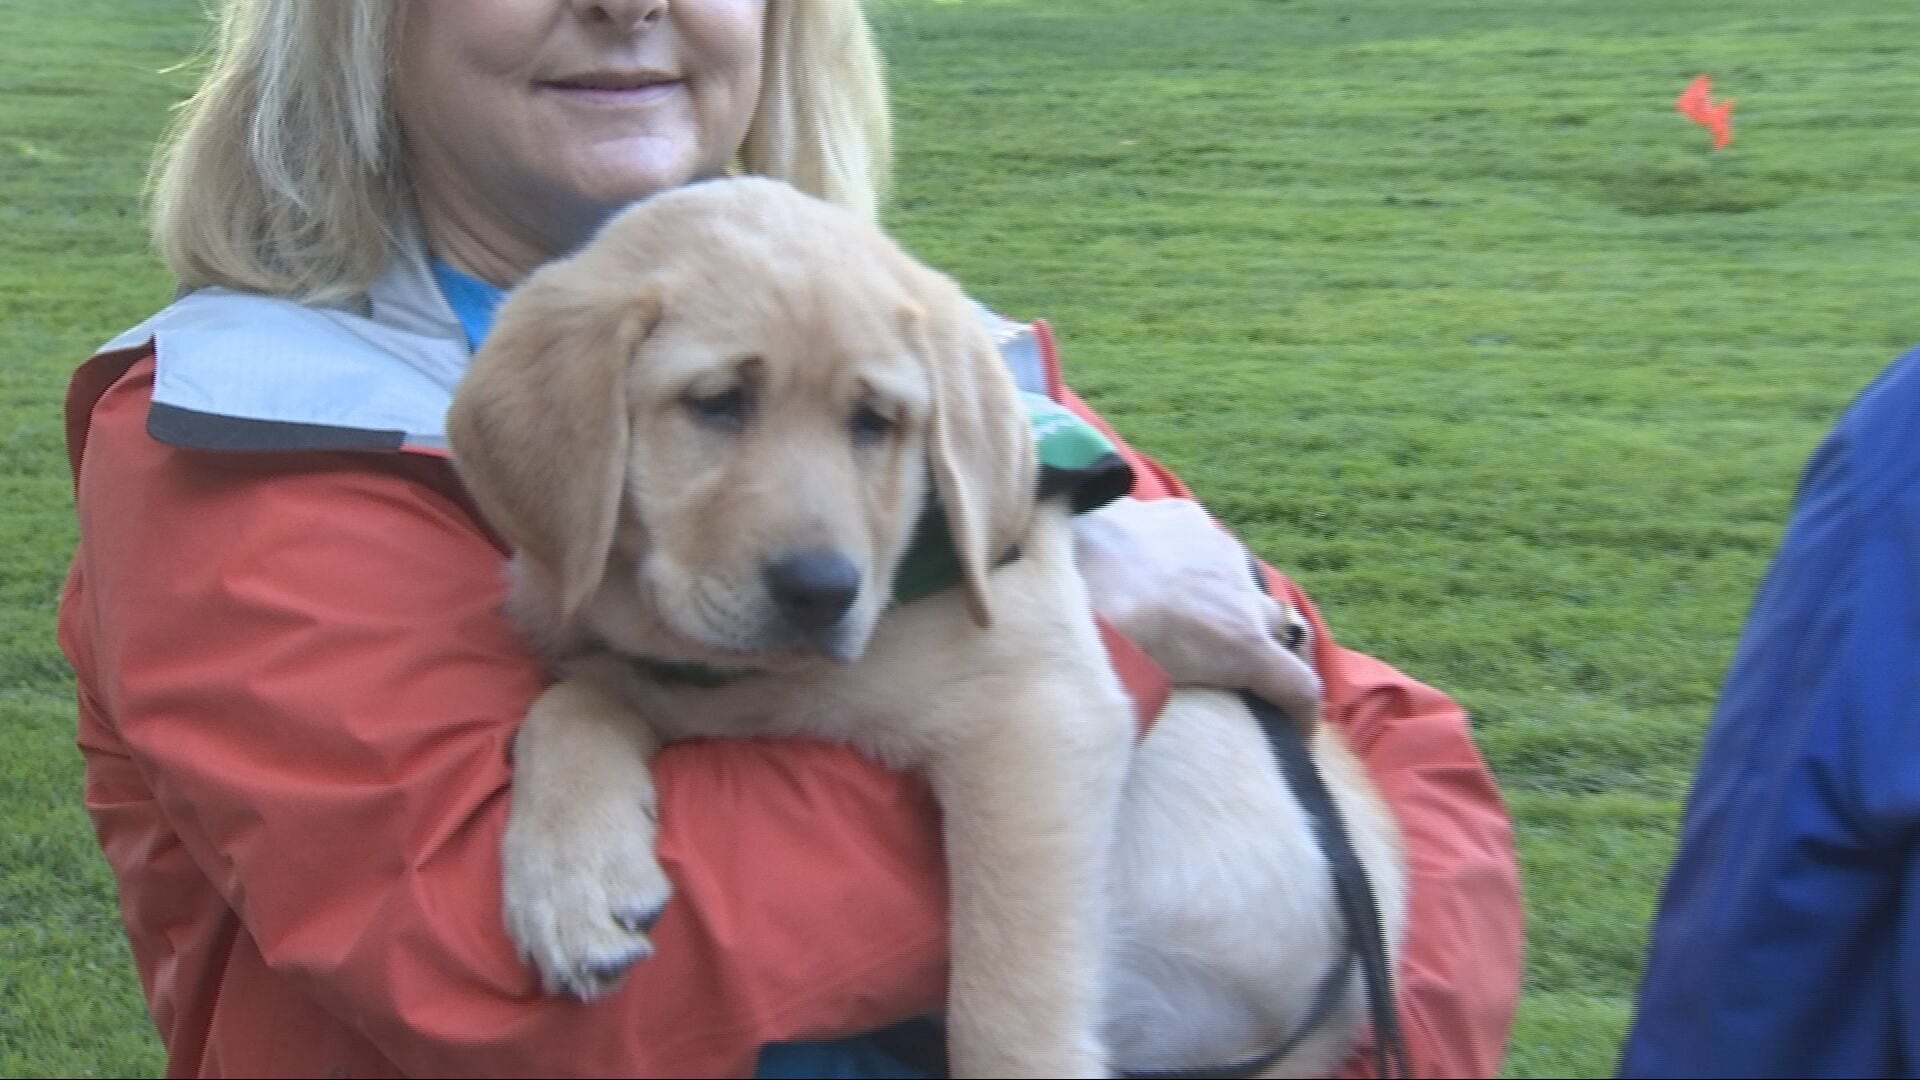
1333,987
1366,938
1366,935
921,1044
1366,943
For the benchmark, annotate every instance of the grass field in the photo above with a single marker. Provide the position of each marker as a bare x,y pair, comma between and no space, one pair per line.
1437,301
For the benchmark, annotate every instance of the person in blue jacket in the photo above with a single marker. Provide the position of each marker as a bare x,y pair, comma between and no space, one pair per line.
1787,940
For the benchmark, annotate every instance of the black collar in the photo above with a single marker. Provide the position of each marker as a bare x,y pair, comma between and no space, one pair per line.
686,673
670,672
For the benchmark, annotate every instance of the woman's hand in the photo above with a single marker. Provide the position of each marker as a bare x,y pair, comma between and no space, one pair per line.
1182,588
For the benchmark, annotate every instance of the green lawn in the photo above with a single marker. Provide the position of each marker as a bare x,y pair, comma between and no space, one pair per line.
1439,303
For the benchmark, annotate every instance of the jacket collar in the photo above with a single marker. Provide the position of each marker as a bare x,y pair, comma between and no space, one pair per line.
248,372
243,371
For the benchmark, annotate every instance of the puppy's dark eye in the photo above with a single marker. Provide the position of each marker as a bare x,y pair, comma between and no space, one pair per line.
725,411
869,426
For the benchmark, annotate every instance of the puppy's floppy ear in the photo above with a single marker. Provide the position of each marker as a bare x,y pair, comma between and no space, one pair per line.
979,442
539,426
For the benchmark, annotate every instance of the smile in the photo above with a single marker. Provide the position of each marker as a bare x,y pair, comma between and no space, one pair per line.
609,91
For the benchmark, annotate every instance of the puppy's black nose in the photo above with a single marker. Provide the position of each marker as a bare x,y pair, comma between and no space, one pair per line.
813,589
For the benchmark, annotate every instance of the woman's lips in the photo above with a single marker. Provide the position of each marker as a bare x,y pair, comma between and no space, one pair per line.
610,92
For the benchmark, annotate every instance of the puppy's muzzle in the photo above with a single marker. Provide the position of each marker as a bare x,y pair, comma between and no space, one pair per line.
813,591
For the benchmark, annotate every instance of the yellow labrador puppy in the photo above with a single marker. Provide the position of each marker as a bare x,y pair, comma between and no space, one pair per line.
710,436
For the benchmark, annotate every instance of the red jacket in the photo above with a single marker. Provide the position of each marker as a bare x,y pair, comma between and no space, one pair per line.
296,692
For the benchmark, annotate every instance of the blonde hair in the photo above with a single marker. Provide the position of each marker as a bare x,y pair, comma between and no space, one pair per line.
283,173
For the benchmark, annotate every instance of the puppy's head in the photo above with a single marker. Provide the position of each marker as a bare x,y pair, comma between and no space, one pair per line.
711,432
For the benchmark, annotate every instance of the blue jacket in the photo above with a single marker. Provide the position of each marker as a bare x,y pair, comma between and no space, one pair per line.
1787,941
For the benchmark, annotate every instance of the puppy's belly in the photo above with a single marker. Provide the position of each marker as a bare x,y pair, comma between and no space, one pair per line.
1224,912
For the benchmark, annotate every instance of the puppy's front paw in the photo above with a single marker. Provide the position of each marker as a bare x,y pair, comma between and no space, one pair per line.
582,891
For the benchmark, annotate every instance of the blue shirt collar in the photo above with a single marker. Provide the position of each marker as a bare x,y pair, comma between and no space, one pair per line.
474,302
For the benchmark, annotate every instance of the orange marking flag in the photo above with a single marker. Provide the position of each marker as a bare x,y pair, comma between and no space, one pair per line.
1696,104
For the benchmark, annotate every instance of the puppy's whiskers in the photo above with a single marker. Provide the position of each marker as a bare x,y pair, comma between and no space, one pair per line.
720,617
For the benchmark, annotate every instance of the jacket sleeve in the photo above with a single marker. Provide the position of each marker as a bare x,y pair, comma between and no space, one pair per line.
1787,938
1459,976
304,659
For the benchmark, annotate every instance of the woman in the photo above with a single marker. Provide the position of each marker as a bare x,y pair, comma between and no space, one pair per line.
296,691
